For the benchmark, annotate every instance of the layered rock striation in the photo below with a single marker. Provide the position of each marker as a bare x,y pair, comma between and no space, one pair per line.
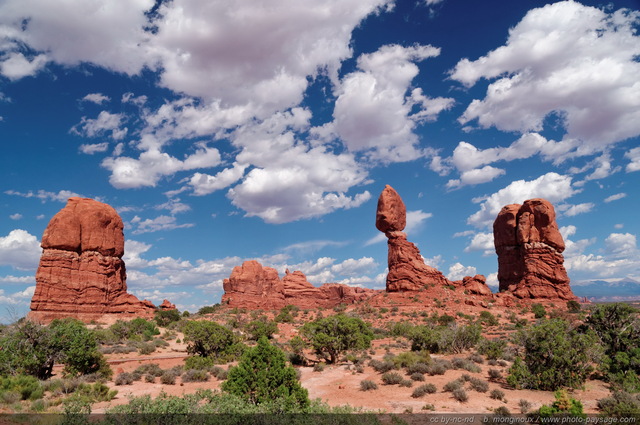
407,270
81,272
253,286
529,247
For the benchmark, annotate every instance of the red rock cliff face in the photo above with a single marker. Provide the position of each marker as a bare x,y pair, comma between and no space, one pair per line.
81,272
253,286
529,247
407,270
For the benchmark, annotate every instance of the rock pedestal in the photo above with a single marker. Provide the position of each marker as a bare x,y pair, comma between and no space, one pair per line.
407,270
529,247
81,273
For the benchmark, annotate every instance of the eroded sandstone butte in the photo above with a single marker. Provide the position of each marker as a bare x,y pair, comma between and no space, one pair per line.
407,270
529,247
81,272
253,286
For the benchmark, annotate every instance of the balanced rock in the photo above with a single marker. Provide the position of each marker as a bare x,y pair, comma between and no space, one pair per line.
407,270
81,272
253,286
529,247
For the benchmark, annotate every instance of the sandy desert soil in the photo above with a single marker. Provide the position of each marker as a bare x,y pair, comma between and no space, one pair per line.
340,384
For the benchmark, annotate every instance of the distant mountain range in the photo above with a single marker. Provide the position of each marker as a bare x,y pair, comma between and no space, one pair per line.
613,290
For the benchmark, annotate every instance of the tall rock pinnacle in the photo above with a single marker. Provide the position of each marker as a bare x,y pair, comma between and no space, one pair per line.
407,270
529,247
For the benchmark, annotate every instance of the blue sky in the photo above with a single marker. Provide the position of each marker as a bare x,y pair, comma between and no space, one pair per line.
223,131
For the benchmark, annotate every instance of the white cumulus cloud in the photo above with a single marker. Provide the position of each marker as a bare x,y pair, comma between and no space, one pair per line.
576,61
20,250
551,186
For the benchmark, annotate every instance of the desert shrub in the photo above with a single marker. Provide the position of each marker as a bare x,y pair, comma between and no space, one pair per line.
460,394
496,394
479,385
10,397
476,358
168,377
195,375
209,309
218,372
367,385
424,338
620,405
318,367
429,407
618,327
465,364
263,376
406,359
286,314
437,369
29,348
198,362
573,306
39,406
209,339
149,378
421,368
22,387
145,348
400,329
124,378
297,346
417,376
459,338
138,329
96,392
493,349
105,336
391,378
554,356
407,383
487,318
446,320
538,311
263,327
450,339
150,368
524,405
502,411
495,374
562,406
165,317
423,390
159,343
452,385
334,335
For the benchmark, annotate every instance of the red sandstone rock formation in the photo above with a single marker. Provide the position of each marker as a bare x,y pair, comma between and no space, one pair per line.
476,285
81,272
167,305
253,286
529,247
407,270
